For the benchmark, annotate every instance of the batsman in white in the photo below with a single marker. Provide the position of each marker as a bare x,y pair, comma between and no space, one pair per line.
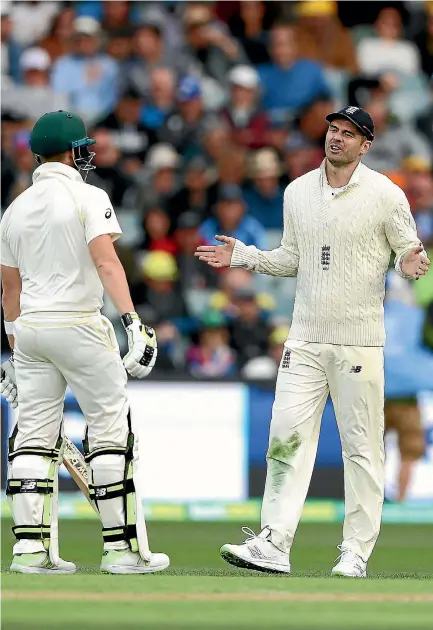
57,257
341,222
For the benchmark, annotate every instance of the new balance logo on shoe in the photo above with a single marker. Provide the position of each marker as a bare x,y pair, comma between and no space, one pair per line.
256,552
355,369
286,360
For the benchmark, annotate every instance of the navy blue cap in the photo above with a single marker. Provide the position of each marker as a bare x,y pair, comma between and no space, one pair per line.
358,116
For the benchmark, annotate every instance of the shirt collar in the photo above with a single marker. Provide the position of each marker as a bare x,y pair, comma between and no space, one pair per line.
353,181
56,170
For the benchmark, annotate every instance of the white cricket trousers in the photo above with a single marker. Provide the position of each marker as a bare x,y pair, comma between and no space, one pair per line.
55,350
354,376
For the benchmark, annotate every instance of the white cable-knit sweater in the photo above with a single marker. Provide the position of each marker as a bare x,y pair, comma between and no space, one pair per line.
339,246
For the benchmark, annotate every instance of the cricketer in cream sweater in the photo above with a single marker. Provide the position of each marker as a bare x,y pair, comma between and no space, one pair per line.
341,222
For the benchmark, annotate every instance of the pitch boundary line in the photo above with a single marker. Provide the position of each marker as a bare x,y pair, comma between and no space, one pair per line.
416,598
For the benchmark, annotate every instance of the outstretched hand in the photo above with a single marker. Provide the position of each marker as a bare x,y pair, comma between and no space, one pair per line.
415,263
217,255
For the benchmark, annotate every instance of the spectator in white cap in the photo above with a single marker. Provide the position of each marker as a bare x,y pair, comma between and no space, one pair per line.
35,64
34,97
88,76
249,125
162,157
265,195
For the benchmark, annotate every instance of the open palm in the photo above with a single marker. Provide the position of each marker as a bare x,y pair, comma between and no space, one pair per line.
415,263
217,255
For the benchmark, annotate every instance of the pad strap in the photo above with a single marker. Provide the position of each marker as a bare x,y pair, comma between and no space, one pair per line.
33,532
118,534
52,453
35,486
104,450
127,450
111,490
41,452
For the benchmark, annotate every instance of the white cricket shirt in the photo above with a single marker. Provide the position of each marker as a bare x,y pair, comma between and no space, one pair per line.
339,246
45,233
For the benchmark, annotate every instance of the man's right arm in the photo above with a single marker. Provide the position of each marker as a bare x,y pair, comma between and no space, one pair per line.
111,273
283,261
101,229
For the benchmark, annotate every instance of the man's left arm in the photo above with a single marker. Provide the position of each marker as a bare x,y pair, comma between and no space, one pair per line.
11,285
11,288
411,260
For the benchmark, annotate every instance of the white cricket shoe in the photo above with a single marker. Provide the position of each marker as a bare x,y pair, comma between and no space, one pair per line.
257,552
350,565
126,561
40,563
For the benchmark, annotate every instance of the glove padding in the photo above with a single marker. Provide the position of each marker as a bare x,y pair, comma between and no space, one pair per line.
8,385
143,348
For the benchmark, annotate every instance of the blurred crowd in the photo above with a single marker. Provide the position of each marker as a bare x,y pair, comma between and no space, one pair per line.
202,113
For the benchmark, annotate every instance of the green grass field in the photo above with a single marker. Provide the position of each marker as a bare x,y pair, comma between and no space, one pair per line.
201,591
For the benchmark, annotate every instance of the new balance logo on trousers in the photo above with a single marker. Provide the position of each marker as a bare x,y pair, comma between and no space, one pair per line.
355,369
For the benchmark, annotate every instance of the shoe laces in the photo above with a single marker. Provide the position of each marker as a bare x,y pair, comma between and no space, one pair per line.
251,535
352,557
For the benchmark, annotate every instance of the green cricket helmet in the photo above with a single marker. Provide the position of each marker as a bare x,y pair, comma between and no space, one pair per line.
58,132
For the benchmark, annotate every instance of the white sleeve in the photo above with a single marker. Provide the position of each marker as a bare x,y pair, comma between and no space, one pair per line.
7,257
283,261
400,230
99,216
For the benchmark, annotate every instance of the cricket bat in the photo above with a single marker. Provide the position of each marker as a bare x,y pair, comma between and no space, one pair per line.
76,466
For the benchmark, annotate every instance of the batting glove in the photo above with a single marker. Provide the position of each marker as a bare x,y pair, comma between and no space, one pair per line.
143,348
8,385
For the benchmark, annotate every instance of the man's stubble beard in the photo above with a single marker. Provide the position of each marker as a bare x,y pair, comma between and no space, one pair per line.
340,162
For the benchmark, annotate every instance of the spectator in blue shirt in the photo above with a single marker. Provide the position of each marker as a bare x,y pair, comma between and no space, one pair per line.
160,102
10,49
289,84
264,198
231,219
87,76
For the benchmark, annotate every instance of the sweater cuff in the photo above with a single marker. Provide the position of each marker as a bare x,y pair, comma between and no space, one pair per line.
242,257
398,269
